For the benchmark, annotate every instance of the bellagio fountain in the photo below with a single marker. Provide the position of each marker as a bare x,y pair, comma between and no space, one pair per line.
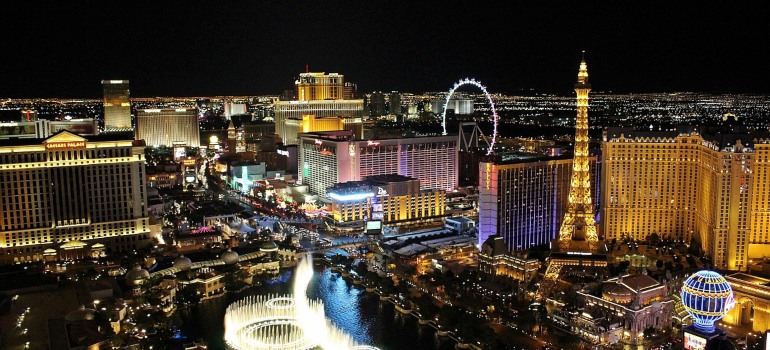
285,322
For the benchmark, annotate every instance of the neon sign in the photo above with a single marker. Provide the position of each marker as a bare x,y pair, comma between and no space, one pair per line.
372,143
318,142
65,145
351,196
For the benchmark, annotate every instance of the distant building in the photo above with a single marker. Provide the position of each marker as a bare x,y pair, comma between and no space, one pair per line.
456,105
245,175
310,123
394,103
523,198
43,128
377,104
255,131
288,114
66,195
314,86
326,158
117,107
350,91
164,127
232,108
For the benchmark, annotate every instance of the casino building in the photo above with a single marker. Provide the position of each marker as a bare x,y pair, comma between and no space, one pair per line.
326,158
685,184
165,127
622,309
69,197
392,198
523,198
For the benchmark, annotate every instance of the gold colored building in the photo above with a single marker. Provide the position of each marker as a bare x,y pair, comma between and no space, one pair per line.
117,107
320,86
391,198
685,185
68,192
289,117
164,127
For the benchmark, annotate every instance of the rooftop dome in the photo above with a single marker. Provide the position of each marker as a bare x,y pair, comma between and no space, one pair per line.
80,314
268,246
229,257
137,275
183,263
618,292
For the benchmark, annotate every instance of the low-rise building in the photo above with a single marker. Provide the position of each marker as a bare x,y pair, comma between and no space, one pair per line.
498,264
632,302
208,282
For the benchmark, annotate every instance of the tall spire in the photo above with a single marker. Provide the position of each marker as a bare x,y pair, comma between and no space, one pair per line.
583,73
578,225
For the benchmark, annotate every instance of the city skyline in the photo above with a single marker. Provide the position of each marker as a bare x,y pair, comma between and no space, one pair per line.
259,48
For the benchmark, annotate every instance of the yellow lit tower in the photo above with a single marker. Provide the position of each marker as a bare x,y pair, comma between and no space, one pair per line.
578,244
578,230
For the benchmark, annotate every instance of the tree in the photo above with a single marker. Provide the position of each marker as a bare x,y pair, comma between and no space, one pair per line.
489,337
653,238
695,247
372,278
448,317
649,332
427,308
387,286
188,295
362,268
234,280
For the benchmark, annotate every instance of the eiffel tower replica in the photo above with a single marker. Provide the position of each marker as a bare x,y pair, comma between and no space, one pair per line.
578,245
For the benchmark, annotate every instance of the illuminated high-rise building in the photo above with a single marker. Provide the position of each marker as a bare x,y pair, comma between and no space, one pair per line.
310,123
463,106
67,196
313,86
318,94
327,158
117,107
523,198
164,127
350,91
394,103
377,104
686,185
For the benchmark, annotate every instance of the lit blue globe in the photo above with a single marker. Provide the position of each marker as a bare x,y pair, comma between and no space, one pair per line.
707,297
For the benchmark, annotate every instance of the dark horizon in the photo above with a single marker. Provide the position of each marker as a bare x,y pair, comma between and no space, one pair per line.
200,48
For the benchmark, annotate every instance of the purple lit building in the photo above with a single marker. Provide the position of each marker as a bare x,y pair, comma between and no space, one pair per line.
523,198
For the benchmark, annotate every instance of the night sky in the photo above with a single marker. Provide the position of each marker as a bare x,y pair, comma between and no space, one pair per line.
194,48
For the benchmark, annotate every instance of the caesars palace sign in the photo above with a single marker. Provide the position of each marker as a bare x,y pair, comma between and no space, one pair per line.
65,145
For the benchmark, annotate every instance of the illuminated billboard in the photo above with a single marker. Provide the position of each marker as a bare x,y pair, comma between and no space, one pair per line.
350,196
373,227
694,342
